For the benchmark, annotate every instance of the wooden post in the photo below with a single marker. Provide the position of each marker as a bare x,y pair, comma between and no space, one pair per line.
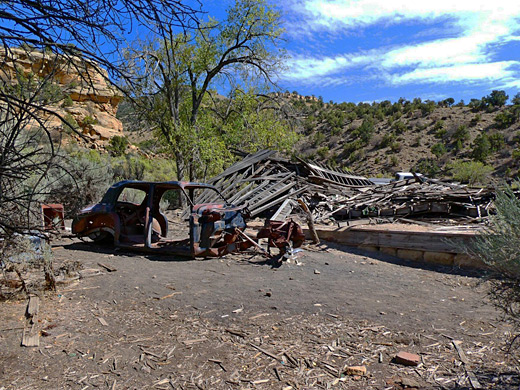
310,222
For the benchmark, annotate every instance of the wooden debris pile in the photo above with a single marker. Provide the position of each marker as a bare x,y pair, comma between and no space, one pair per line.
405,198
270,185
273,187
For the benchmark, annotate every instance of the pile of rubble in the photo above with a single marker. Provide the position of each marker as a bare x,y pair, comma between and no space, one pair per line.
274,188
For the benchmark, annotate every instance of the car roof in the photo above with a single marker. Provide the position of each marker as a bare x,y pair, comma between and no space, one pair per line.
115,189
173,184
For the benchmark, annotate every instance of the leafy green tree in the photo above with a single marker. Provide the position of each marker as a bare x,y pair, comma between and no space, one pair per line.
497,98
471,172
427,107
449,102
180,71
516,99
254,122
481,148
366,130
427,166
477,105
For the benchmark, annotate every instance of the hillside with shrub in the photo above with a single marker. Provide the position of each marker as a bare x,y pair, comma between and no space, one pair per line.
473,142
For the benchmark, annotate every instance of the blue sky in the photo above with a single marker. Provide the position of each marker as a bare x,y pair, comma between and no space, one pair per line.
373,50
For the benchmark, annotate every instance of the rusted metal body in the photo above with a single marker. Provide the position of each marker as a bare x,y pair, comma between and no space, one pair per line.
53,216
215,229
281,235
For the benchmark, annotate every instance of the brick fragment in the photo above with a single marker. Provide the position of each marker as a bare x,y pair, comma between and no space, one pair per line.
407,359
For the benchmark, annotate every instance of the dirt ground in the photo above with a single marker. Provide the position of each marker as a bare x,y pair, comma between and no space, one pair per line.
237,323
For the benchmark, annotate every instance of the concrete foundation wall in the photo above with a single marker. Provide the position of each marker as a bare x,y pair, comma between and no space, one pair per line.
427,247
431,246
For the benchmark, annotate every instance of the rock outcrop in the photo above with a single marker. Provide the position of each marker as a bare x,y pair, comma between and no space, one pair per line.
82,94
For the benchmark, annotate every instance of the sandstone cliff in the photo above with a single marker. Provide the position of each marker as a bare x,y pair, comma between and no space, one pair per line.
82,94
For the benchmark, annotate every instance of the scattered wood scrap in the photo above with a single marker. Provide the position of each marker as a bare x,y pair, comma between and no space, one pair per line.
31,335
109,268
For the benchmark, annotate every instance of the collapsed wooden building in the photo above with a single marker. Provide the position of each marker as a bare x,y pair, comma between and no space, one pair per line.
271,186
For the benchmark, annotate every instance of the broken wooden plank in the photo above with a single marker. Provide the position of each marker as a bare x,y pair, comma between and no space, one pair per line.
462,356
310,222
30,339
265,352
33,306
107,267
473,380
102,321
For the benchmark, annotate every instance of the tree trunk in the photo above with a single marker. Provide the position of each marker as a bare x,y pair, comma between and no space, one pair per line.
183,202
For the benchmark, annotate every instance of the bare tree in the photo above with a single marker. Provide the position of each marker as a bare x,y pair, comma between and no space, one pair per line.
65,34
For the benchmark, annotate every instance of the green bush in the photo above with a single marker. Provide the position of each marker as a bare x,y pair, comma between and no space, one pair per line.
496,98
81,180
477,105
89,120
497,141
351,147
438,125
395,147
117,145
441,133
366,130
399,127
319,138
428,167
458,146
497,246
150,145
476,119
396,115
481,148
323,152
67,102
448,102
421,126
69,124
438,149
309,124
428,107
387,140
357,156
461,134
505,119
333,160
471,172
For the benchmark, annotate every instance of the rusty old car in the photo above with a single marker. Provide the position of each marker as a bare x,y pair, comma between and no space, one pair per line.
132,215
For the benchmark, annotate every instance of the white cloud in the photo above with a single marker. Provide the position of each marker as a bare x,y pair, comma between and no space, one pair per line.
483,25
301,67
495,71
439,52
336,14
